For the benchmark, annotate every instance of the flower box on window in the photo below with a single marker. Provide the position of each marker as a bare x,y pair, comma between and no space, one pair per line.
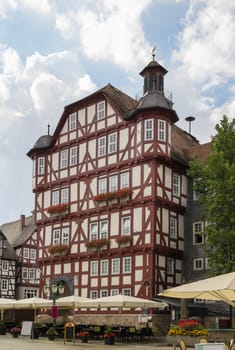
123,239
98,243
108,196
61,249
58,209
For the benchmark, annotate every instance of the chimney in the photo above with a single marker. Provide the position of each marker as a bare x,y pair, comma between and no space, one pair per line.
22,221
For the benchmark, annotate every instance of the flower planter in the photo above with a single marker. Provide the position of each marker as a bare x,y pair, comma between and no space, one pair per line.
84,339
189,341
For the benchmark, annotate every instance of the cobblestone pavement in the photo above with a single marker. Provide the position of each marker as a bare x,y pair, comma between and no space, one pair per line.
25,343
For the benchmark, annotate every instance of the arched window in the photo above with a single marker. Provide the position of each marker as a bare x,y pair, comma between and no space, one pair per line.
153,83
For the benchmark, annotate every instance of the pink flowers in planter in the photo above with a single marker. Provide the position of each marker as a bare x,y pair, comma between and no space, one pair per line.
97,243
58,208
123,239
119,194
58,249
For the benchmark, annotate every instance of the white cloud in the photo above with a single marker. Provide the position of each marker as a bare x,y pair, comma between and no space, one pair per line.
5,6
108,32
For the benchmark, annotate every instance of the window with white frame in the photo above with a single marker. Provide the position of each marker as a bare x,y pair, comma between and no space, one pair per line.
148,129
198,264
126,291
126,226
104,229
94,230
55,197
26,253
112,142
73,155
161,130
72,121
32,254
176,185
41,165
114,291
32,274
115,266
93,294
30,293
94,268
103,293
56,236
65,235
125,180
101,110
64,194
173,227
198,237
5,265
101,146
170,266
113,183
25,273
102,185
127,264
104,267
4,284
64,158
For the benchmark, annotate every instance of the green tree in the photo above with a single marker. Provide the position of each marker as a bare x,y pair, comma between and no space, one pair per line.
215,185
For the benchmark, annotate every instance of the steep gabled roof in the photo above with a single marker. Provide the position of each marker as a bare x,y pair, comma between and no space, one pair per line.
17,233
7,251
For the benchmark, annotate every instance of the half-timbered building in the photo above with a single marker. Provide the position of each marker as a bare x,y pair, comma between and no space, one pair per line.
111,193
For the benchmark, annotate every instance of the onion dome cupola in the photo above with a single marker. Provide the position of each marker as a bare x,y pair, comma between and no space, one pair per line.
153,92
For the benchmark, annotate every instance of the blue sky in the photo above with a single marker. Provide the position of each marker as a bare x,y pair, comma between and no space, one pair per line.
54,52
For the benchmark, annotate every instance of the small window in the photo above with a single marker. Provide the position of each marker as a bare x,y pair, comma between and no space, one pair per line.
26,253
33,254
170,266
198,264
30,293
113,183
41,166
126,291
4,284
32,274
176,185
127,265
115,266
73,155
101,110
198,233
25,272
104,267
64,195
55,197
125,180
148,130
101,146
56,237
112,142
126,228
104,229
161,130
72,121
65,235
94,230
94,268
173,227
4,265
102,185
114,291
103,293
94,294
153,82
64,159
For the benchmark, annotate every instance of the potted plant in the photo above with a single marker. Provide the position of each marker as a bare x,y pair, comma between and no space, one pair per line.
51,333
191,331
84,336
15,331
2,327
109,336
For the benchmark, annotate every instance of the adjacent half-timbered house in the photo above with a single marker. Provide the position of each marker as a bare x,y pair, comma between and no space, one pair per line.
111,191
22,236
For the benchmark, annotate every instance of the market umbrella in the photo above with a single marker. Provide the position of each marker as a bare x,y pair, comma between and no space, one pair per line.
123,301
6,304
72,301
220,288
33,303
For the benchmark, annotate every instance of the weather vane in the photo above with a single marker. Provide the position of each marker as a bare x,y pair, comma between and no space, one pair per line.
154,52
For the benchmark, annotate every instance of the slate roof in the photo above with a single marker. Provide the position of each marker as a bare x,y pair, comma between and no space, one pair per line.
16,234
7,252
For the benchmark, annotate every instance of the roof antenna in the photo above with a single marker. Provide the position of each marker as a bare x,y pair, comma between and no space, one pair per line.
154,52
189,119
48,129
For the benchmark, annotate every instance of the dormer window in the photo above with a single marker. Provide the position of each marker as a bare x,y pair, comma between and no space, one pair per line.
72,121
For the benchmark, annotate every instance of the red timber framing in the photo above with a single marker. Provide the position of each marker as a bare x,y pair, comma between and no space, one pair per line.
103,144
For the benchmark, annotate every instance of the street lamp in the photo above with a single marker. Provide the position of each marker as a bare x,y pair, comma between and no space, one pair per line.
53,291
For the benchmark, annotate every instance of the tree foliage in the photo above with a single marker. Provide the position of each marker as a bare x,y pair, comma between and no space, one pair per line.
215,185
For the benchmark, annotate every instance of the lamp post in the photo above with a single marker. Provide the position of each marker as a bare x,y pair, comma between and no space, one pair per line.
53,291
